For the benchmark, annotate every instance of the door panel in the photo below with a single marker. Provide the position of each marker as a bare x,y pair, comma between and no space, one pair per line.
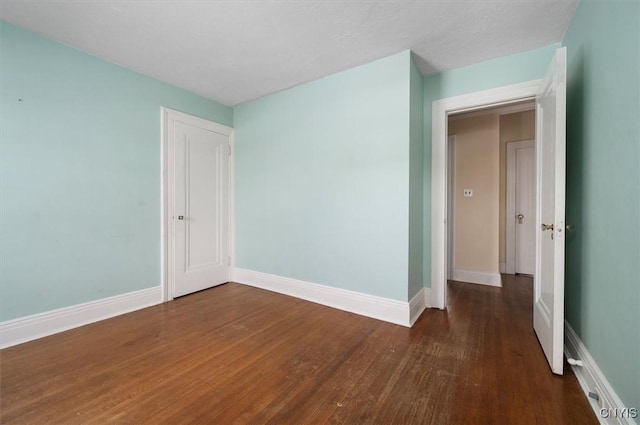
548,310
201,205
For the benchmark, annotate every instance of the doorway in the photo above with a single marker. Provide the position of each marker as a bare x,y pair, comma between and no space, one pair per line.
478,193
441,109
549,95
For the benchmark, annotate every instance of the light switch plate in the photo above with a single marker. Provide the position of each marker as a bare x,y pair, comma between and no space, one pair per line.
468,193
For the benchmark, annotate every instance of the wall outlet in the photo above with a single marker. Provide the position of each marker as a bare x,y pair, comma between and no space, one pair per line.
468,193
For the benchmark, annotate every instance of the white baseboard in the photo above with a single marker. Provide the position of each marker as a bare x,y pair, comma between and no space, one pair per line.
388,310
418,304
609,409
28,328
481,278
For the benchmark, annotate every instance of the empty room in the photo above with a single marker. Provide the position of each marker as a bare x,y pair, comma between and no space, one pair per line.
283,212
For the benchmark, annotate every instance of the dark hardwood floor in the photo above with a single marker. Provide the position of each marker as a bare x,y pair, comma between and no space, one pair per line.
240,355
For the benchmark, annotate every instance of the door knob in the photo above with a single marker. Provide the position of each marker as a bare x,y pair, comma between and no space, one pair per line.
570,228
547,227
180,217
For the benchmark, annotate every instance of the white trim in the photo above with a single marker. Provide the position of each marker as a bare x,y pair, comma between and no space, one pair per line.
510,225
481,278
592,379
505,110
164,206
440,111
451,190
28,328
380,308
418,304
503,267
232,204
427,297
167,116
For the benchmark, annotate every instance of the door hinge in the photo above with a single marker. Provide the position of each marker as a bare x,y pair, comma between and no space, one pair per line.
229,260
229,146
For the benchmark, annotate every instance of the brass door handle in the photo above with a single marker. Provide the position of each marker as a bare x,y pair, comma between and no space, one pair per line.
547,227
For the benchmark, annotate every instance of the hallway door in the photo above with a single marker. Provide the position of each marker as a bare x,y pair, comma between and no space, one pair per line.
525,208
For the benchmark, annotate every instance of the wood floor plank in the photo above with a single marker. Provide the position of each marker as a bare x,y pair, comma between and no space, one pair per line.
239,355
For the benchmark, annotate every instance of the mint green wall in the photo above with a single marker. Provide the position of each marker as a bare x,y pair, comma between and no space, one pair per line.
603,188
80,174
322,174
503,71
416,189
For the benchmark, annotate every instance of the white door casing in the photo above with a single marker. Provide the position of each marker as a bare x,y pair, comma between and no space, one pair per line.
196,167
548,307
451,185
501,96
520,208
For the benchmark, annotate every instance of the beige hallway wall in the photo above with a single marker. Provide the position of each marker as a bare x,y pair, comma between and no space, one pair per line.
476,220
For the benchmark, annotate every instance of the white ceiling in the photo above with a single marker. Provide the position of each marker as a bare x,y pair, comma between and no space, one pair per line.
235,51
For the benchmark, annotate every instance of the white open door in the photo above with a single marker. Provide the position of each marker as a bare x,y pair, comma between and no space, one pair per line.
548,298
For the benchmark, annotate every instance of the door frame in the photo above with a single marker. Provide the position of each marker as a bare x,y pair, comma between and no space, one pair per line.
451,207
510,211
439,150
167,156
